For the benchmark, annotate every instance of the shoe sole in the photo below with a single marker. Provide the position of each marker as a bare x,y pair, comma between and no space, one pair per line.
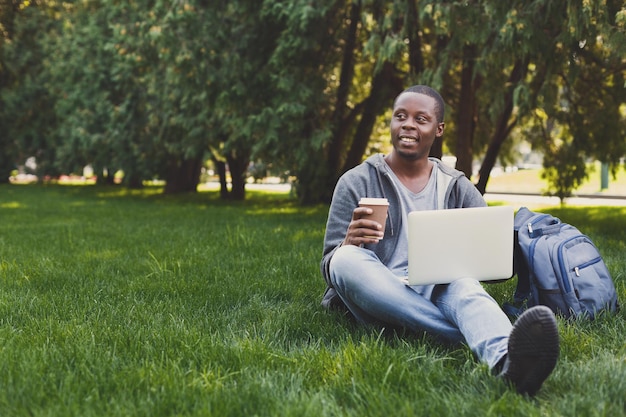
533,349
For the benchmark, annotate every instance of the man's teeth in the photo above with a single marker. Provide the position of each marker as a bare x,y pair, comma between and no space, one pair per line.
405,139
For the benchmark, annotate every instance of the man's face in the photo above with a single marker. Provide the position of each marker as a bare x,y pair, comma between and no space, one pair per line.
414,125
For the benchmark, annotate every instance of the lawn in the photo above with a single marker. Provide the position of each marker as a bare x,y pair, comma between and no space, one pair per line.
119,303
530,181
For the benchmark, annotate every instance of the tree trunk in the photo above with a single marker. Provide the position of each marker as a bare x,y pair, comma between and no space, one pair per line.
317,182
465,114
436,151
220,166
6,167
335,150
386,85
237,166
503,127
183,176
105,179
416,58
133,181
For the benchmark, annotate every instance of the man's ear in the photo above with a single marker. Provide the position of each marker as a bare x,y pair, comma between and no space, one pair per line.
440,129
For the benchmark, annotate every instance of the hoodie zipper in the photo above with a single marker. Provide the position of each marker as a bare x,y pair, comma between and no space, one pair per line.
382,189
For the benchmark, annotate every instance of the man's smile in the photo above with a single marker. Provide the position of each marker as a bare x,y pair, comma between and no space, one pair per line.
407,139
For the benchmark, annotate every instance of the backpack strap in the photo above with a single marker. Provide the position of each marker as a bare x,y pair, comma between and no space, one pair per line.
522,290
520,267
524,220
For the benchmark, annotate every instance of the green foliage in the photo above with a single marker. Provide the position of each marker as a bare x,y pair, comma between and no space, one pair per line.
143,304
25,101
152,87
564,169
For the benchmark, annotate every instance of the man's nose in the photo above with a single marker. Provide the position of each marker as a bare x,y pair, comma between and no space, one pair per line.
409,123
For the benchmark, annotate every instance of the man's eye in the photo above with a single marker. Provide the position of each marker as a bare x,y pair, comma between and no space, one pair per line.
400,116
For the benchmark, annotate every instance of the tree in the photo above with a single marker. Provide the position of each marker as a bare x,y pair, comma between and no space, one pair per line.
27,122
156,88
248,34
162,86
141,103
336,109
506,54
8,11
582,99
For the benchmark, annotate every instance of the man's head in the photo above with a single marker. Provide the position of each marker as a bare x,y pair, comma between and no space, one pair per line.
428,91
416,122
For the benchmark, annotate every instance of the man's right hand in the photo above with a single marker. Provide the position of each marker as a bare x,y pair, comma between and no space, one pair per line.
362,230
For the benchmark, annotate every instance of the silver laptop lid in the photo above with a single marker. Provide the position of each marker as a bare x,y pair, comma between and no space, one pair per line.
445,245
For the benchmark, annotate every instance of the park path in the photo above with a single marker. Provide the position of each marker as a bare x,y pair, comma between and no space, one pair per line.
538,201
514,199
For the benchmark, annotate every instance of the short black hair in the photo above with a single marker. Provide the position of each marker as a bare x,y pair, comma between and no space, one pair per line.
430,92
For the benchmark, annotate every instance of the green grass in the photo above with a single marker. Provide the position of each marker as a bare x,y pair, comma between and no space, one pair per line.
116,303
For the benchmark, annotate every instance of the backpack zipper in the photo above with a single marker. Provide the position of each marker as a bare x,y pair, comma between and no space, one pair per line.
585,265
562,267
532,222
533,243
531,250
531,274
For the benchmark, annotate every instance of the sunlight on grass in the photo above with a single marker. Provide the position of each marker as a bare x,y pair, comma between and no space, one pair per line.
530,181
11,205
110,192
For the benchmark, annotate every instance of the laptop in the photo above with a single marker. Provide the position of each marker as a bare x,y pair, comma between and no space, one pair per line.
445,245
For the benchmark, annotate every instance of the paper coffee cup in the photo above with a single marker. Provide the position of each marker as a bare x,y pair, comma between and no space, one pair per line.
379,207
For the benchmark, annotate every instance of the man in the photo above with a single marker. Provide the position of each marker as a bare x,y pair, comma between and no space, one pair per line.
367,275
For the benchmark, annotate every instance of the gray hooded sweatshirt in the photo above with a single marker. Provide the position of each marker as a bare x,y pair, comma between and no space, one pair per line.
372,179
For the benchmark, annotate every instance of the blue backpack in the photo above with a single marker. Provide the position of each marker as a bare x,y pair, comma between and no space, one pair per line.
559,267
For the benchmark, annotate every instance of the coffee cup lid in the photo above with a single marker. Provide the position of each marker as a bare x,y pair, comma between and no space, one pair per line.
374,201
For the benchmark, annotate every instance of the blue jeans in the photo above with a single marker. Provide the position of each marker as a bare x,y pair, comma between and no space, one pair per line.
458,312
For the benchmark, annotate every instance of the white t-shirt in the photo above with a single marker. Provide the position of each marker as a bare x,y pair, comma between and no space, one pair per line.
424,200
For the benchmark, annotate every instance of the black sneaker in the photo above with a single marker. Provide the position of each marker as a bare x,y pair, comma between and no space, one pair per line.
533,350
